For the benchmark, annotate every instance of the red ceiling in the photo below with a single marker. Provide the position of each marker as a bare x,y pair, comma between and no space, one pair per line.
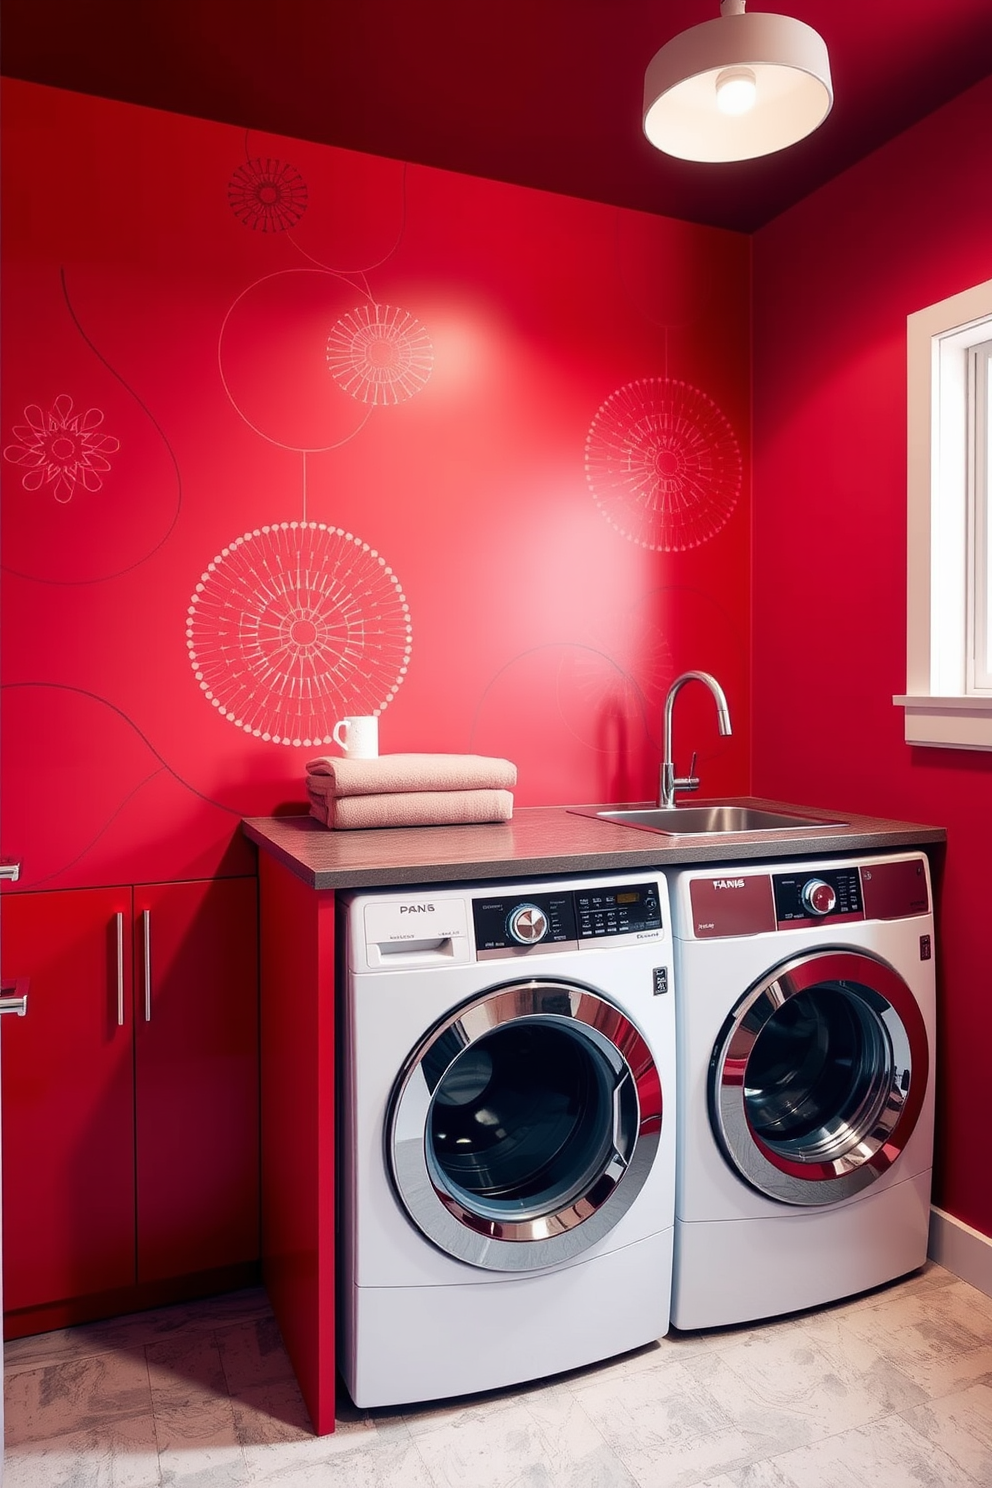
543,93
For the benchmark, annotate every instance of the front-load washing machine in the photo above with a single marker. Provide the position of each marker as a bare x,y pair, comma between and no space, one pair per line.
507,1126
806,1011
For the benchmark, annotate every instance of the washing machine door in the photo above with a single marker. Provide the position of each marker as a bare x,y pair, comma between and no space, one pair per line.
523,1127
818,1077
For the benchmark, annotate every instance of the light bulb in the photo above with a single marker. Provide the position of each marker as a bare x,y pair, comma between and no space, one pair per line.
736,90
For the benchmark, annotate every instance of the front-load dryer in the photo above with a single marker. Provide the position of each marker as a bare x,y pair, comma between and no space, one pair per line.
806,1010
507,1132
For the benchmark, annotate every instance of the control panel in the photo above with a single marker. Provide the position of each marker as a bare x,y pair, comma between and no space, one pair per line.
823,894
617,911
510,925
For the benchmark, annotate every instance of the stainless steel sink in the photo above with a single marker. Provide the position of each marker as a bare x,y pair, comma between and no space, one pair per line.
691,821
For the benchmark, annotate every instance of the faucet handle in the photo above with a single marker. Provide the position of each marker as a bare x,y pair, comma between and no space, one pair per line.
688,782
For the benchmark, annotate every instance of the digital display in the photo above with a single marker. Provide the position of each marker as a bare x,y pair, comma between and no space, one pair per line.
628,898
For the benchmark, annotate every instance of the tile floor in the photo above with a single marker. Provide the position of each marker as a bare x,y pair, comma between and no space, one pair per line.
891,1390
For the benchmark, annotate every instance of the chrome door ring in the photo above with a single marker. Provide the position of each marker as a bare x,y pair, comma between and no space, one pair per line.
850,1153
477,1235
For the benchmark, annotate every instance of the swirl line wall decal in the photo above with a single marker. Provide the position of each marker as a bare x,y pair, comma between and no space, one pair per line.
117,573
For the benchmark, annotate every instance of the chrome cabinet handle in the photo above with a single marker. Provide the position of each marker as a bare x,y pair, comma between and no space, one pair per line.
146,930
119,917
14,996
10,871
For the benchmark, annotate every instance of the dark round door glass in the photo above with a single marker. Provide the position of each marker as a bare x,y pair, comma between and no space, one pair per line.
522,1122
819,1073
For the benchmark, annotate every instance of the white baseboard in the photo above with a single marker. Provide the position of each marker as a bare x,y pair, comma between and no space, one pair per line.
962,1250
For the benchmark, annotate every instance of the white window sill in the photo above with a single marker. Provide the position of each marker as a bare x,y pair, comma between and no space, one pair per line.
963,722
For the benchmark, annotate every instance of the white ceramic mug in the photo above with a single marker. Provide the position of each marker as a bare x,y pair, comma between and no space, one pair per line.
358,737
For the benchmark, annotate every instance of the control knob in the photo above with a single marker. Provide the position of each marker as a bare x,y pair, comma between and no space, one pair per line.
527,924
817,896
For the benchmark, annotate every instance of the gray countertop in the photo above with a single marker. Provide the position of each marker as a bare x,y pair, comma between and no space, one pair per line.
549,841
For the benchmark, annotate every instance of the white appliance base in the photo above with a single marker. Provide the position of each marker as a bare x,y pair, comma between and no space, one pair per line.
406,1344
737,1271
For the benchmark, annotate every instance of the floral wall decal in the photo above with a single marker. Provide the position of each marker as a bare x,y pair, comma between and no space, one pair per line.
61,449
379,354
663,464
295,624
267,195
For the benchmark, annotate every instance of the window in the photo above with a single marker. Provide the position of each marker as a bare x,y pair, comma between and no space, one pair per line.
980,403
948,699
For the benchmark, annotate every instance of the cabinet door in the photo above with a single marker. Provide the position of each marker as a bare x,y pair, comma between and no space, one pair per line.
196,1047
68,1090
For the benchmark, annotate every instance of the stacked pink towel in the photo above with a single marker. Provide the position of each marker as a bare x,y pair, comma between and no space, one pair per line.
410,790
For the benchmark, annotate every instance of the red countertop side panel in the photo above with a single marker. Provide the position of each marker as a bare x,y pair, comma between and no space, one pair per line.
297,1039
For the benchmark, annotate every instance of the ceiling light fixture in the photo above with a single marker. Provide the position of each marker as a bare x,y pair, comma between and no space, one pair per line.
737,87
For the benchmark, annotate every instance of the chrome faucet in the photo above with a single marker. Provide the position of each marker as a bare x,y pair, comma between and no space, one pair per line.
670,782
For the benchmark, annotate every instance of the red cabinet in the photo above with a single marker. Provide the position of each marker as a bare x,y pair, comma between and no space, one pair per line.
130,1089
196,1075
68,1097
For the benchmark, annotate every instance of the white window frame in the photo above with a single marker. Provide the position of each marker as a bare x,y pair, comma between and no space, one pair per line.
946,703
980,480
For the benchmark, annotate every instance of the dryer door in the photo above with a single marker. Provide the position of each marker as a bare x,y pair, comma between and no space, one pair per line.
524,1125
818,1077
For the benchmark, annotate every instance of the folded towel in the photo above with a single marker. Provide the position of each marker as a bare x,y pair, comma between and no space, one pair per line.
410,772
412,808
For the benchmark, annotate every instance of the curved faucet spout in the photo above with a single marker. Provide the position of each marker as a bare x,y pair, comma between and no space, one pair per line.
670,781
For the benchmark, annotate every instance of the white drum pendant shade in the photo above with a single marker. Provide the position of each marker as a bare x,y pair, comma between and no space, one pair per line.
791,71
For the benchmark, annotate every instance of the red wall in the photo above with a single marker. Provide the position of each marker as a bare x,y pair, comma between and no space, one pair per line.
516,424
834,280
182,283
